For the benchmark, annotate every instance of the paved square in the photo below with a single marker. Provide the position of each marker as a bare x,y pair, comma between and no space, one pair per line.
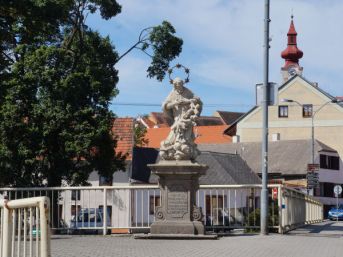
312,242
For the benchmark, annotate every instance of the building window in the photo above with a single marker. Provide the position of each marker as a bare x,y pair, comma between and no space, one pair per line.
109,213
283,111
74,210
75,195
292,41
328,189
307,110
215,210
153,203
104,181
329,162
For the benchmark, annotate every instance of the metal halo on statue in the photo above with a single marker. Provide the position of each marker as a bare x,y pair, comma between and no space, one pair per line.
178,66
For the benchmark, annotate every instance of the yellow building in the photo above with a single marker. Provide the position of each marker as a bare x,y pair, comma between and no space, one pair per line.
300,103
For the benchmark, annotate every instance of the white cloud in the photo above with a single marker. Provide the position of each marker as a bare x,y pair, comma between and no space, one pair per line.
223,41
224,73
133,81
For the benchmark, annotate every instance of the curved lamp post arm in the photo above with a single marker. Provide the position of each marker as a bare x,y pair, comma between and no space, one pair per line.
290,101
331,101
312,124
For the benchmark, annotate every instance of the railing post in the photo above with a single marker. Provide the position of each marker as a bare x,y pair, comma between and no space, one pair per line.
44,213
309,211
105,213
7,231
280,209
286,214
131,204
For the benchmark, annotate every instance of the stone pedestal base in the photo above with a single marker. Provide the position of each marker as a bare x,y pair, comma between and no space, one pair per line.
178,213
175,227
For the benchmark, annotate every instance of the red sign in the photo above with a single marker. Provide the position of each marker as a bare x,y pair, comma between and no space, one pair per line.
312,167
274,193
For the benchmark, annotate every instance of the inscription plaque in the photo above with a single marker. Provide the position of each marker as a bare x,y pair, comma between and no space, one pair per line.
177,198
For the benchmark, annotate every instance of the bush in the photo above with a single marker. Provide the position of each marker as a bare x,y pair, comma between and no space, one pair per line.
254,218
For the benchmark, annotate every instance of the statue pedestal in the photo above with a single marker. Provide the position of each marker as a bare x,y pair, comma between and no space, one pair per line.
178,213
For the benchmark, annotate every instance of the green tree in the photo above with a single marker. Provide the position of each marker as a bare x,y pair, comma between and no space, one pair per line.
139,135
57,78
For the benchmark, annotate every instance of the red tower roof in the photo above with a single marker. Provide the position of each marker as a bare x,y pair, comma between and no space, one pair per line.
292,53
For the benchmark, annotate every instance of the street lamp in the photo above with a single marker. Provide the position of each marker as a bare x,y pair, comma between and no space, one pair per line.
334,100
284,100
264,150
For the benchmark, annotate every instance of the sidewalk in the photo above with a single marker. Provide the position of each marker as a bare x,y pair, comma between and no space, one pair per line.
274,245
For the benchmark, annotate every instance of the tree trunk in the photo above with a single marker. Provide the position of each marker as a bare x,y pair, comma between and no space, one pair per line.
54,181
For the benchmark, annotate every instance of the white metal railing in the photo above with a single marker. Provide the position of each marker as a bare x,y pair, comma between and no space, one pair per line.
131,207
298,209
25,227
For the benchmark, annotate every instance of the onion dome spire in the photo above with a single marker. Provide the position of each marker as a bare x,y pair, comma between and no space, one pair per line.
292,53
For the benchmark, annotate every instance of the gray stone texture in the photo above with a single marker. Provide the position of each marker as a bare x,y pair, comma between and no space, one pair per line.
183,108
178,213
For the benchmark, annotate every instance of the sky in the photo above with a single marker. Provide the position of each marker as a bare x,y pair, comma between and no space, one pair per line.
223,48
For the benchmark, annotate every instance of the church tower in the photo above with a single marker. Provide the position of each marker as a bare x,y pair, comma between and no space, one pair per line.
291,54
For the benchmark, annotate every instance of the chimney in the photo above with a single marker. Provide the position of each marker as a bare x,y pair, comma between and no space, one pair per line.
235,139
276,137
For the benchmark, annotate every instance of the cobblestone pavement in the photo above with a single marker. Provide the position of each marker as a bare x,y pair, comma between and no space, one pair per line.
328,228
307,242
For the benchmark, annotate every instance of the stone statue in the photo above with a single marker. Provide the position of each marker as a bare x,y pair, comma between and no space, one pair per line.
183,108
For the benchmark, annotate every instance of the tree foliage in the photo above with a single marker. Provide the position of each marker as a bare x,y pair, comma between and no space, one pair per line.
57,78
161,45
139,135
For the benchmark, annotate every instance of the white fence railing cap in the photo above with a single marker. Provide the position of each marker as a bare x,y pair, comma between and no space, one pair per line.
152,187
24,203
135,186
146,186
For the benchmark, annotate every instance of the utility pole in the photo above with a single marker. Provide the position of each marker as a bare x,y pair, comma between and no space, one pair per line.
265,103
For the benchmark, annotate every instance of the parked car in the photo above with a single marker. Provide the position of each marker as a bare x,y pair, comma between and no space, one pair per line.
34,231
88,220
336,213
217,218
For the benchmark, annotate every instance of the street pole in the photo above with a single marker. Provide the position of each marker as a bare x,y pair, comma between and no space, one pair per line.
265,102
312,138
312,147
336,205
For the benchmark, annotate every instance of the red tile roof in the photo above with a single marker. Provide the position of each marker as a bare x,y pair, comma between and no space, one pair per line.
160,119
228,117
206,135
123,130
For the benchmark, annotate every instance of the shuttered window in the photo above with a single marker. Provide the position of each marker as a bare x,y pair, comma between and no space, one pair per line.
307,110
329,162
283,111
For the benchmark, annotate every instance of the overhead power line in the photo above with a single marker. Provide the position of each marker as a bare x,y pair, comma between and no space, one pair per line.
205,104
